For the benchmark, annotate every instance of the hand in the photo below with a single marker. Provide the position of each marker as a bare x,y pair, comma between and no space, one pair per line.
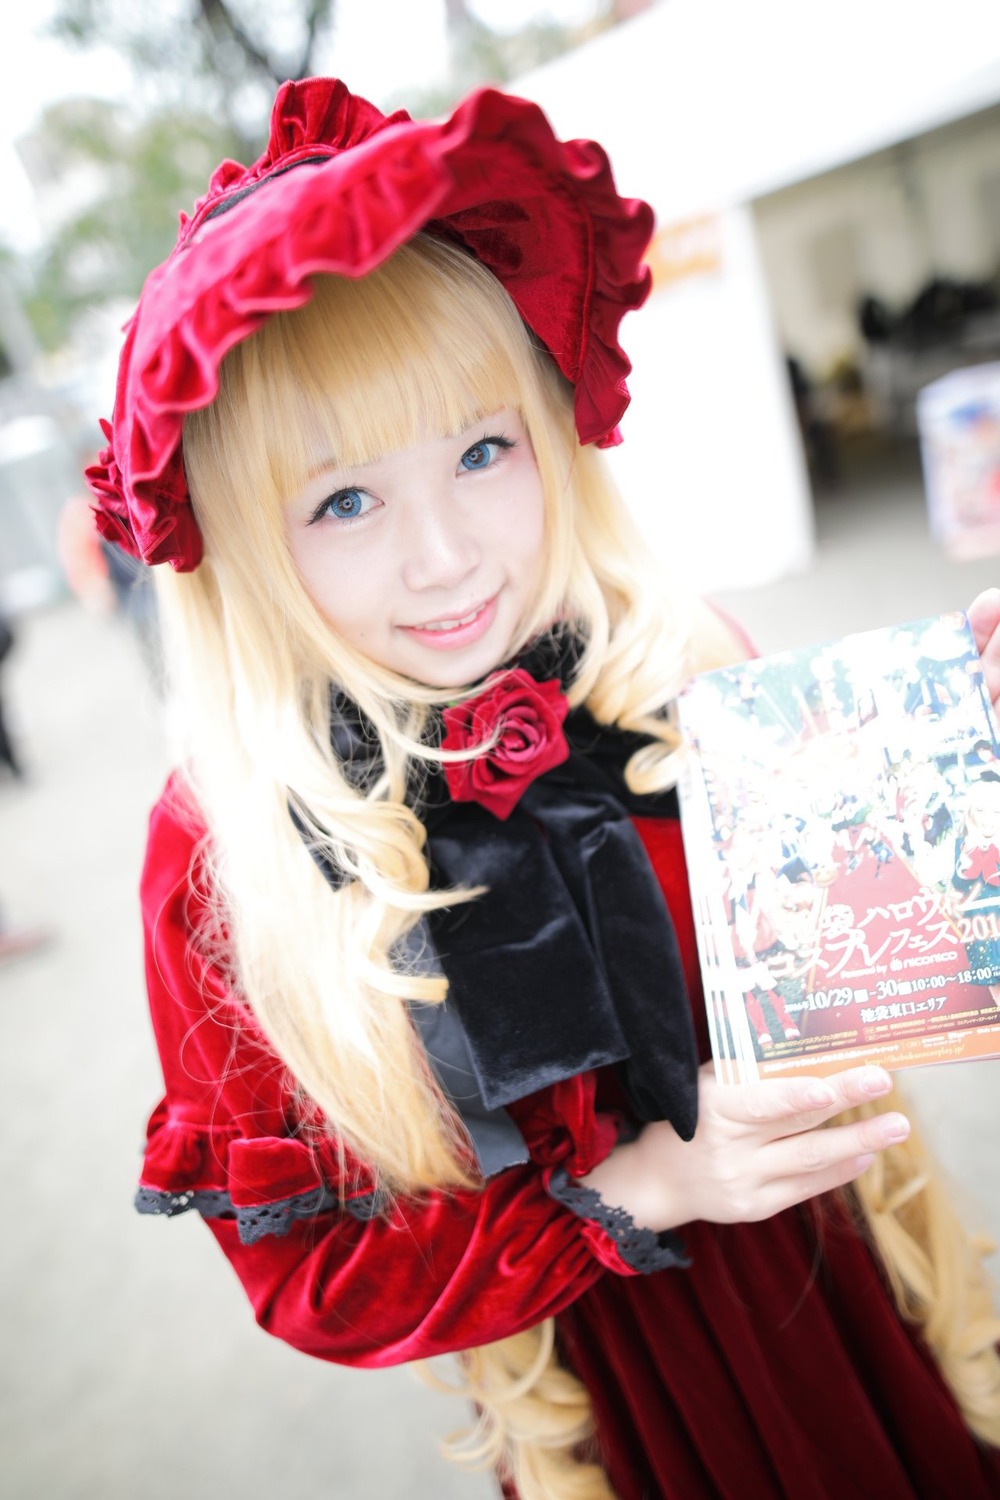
984,617
759,1148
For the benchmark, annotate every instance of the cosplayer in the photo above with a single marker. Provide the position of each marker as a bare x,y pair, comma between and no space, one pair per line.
420,953
759,896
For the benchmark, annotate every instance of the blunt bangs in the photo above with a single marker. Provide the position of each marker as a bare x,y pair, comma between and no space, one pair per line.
425,345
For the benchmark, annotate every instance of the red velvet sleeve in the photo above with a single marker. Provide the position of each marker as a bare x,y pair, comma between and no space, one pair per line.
449,1273
443,1272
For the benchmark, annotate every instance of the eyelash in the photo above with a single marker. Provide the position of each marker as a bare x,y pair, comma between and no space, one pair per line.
322,511
492,440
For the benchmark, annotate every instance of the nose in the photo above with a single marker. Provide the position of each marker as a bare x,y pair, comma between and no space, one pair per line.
441,550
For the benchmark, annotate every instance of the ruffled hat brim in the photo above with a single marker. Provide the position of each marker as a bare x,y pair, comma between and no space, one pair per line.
338,189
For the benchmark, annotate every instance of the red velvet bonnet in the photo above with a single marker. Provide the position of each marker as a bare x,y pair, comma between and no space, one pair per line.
541,214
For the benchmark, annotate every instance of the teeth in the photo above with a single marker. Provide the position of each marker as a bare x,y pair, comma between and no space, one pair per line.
453,624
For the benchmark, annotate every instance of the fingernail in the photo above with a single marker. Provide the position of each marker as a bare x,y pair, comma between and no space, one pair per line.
875,1081
862,1163
895,1128
818,1096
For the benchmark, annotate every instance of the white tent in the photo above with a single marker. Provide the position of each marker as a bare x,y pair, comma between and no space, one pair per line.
704,105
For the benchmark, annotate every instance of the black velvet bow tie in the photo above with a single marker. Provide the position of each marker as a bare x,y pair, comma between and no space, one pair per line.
569,961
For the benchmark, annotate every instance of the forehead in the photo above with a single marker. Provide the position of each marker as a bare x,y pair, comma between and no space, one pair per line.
348,413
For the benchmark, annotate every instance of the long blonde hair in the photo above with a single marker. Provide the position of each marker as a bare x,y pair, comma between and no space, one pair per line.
425,344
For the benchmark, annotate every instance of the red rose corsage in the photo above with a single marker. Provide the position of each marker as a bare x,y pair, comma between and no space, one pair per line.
522,722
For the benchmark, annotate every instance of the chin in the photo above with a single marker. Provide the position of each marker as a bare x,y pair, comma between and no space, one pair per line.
459,669
456,677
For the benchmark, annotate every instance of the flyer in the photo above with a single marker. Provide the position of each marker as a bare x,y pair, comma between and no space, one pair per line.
841,815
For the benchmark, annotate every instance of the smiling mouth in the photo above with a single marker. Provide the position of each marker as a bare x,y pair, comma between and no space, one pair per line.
457,631
458,622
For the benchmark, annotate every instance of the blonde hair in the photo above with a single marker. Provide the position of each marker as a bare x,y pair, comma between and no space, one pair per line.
425,344
934,1269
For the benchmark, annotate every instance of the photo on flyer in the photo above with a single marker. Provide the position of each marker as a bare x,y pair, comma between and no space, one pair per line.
841,814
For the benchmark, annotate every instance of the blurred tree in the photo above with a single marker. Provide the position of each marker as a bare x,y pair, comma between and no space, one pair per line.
481,53
111,176
109,185
224,56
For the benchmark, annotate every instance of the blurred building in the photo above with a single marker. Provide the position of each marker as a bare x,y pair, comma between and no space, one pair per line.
889,267
804,161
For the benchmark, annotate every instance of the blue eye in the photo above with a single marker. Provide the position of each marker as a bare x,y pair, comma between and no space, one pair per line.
482,454
344,505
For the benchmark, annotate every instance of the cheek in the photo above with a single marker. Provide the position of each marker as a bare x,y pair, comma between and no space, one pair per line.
525,531
343,594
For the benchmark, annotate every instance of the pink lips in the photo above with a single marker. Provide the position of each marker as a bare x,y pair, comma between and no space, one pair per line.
451,638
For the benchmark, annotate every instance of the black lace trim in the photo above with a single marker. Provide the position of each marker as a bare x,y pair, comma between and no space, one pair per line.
211,1203
365,1206
641,1249
254,1224
277,1218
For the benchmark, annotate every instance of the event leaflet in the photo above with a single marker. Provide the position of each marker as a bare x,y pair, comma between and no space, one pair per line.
841,816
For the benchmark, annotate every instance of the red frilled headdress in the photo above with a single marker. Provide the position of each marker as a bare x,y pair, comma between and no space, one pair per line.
541,214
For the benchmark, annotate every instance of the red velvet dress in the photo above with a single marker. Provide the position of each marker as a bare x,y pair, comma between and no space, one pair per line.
773,1366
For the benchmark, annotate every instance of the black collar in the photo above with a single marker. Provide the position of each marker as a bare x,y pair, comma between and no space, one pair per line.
569,961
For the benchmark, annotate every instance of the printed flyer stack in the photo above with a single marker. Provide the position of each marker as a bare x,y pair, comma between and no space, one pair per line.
841,811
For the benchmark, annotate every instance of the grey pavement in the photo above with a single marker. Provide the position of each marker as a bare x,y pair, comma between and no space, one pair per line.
132,1367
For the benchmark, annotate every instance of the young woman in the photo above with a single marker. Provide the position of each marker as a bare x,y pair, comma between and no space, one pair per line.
420,953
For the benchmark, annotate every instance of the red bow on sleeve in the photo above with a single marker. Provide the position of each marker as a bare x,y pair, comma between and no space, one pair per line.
980,864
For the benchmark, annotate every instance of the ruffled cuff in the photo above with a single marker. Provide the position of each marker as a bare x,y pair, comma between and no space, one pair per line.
266,1184
613,1235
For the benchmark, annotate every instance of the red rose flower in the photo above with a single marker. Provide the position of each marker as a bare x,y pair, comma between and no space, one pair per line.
523,719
